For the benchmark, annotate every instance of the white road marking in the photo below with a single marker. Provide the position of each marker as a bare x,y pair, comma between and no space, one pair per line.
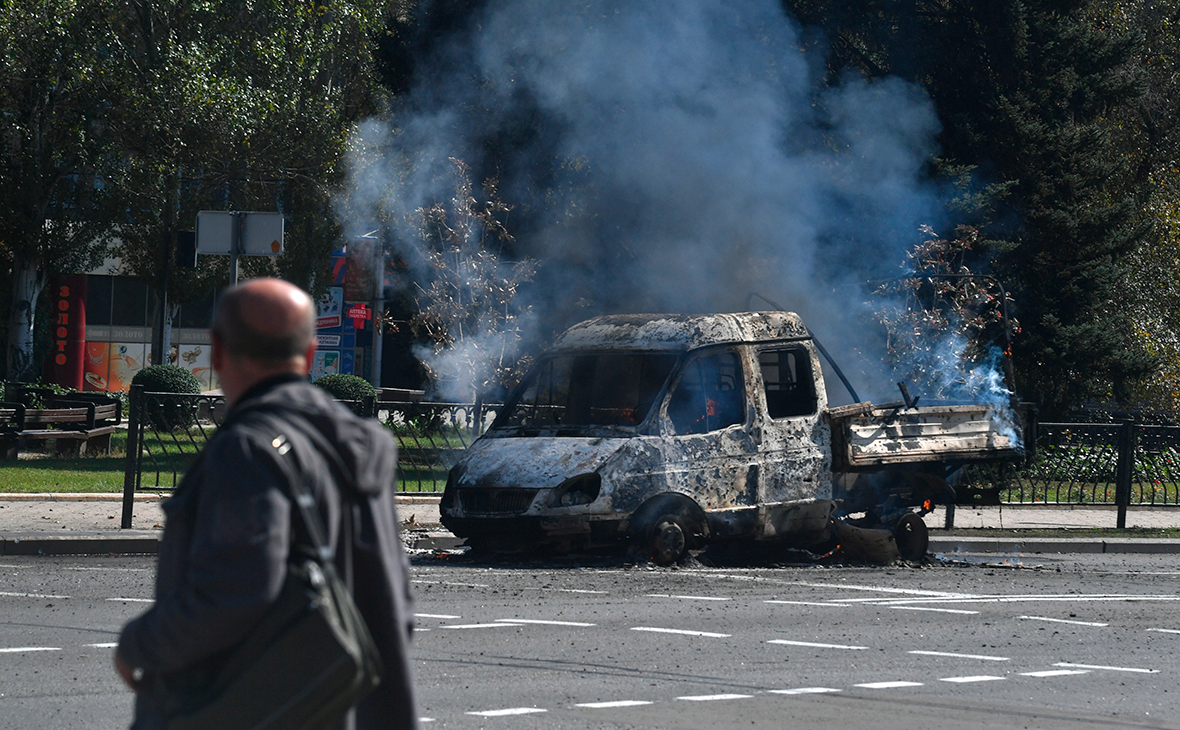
1055,672
435,615
814,644
804,691
966,680
541,622
616,703
497,625
425,719
713,698
1166,631
888,685
882,589
23,649
507,712
450,583
1063,621
684,632
1029,598
687,598
1112,669
133,600
107,645
806,603
928,608
580,590
30,595
984,657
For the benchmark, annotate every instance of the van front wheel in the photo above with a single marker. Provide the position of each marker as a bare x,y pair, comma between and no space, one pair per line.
668,539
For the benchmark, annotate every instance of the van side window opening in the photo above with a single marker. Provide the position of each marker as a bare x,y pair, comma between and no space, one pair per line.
786,375
596,389
709,395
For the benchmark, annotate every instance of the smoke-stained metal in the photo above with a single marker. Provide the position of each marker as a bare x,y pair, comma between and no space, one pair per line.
671,431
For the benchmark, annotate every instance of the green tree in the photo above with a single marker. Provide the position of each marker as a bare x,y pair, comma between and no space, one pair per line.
52,215
242,106
1024,90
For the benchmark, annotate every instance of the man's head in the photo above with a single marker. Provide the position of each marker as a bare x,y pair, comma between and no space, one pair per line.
263,327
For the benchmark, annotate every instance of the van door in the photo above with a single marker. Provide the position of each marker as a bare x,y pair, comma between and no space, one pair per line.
795,438
710,454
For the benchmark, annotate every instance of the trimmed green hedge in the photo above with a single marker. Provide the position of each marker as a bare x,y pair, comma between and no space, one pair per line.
346,387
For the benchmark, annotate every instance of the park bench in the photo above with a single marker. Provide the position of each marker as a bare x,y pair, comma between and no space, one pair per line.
73,422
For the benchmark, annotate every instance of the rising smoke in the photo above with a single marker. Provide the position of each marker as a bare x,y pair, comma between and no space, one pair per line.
664,156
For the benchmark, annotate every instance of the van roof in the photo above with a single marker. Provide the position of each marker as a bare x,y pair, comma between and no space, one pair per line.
680,332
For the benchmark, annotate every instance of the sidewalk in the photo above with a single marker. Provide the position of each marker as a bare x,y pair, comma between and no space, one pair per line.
60,524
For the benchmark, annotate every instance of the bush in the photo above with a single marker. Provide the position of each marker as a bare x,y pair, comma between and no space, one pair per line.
167,414
346,387
167,379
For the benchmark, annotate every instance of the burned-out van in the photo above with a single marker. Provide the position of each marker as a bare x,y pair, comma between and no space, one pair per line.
671,431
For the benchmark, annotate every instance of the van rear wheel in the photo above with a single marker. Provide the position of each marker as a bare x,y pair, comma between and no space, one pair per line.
912,537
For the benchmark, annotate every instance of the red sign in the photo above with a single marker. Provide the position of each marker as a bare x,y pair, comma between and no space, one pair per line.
358,315
69,332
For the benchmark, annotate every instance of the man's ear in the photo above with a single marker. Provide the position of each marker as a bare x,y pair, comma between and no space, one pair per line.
218,355
309,357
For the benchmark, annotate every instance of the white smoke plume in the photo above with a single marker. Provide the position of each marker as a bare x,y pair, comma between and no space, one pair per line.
670,156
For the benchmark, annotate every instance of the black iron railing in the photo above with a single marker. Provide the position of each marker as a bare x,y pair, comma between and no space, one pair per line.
166,431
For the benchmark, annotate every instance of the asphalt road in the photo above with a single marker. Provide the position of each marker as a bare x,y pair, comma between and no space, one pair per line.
1050,642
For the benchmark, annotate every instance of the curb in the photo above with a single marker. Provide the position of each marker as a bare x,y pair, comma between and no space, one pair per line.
140,543
155,497
1155,546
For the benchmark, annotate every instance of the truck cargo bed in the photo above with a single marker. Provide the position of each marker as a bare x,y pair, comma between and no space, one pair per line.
867,436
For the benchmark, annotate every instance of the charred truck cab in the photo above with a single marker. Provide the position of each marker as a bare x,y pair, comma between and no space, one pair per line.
673,431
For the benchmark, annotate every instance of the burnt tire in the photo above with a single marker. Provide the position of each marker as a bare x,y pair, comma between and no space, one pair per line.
912,537
668,539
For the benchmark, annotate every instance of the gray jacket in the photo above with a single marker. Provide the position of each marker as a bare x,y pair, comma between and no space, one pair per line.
223,556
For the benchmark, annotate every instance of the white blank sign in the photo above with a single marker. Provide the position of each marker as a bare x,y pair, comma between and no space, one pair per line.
262,233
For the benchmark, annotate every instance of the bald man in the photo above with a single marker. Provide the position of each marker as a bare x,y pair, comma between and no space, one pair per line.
223,556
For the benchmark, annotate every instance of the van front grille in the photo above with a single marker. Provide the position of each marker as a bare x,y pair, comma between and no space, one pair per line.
503,501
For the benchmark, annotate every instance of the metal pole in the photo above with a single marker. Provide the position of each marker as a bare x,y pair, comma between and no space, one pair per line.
378,307
1126,460
235,245
131,463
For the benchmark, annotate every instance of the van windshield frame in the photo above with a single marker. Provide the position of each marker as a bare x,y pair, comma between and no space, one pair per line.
579,393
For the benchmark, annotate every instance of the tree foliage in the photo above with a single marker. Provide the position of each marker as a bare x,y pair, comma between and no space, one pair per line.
468,310
52,214
1024,90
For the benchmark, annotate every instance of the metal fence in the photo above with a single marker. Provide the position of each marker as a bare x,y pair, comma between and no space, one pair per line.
166,431
1119,464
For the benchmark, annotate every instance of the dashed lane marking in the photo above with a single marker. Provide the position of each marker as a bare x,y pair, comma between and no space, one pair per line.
806,603
687,598
435,615
616,703
1166,631
713,698
541,622
1055,672
451,583
928,608
105,645
683,632
1063,621
954,655
497,625
6,594
888,685
23,649
508,711
813,644
968,680
1109,669
804,691
133,600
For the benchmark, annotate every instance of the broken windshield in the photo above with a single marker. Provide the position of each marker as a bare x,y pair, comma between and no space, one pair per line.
589,389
